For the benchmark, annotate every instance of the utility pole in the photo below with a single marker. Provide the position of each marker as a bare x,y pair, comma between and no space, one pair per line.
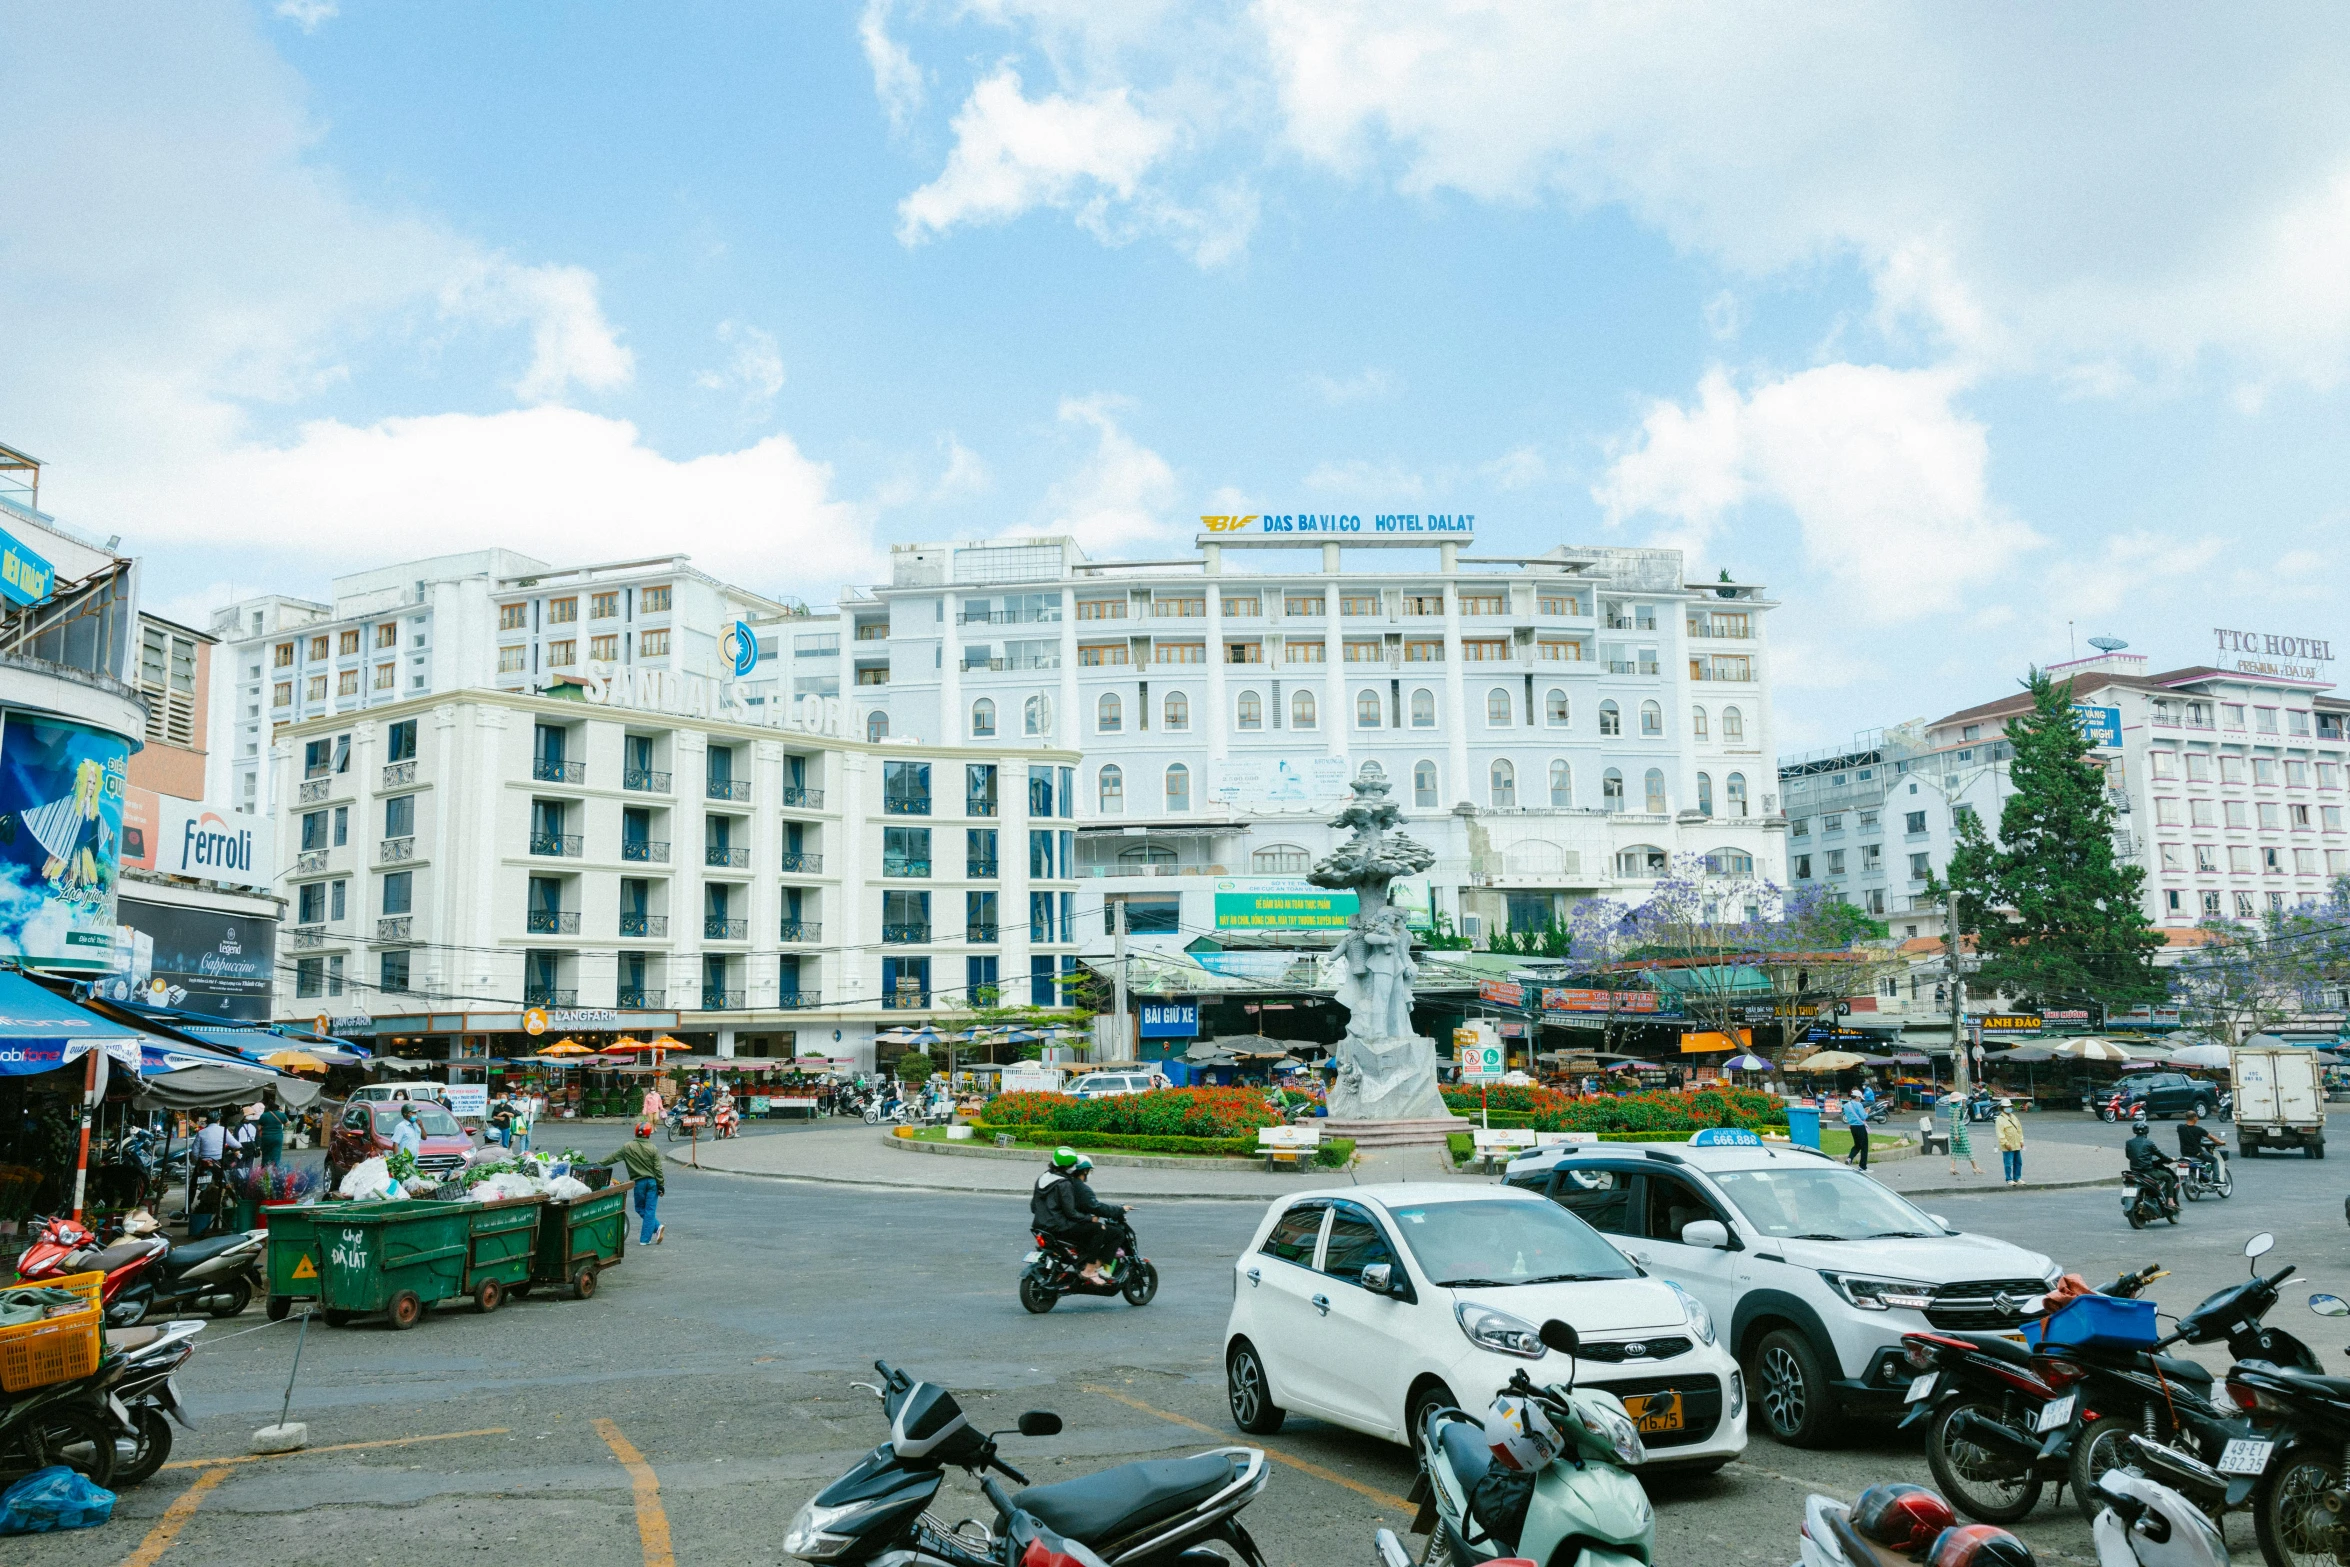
1960,1077
1117,903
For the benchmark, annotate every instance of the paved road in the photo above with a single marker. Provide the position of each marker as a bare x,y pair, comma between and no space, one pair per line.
723,1358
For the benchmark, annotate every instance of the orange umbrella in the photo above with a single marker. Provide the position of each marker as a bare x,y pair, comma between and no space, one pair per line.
567,1047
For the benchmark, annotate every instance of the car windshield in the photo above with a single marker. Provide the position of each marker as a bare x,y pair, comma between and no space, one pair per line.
1470,1243
431,1120
1821,1205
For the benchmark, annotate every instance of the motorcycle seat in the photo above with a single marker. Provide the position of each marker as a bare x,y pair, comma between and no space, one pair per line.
124,1340
2335,1388
1116,1502
2179,1369
116,1255
1999,1348
186,1254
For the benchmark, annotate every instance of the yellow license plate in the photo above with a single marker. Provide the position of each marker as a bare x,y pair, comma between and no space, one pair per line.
1652,1412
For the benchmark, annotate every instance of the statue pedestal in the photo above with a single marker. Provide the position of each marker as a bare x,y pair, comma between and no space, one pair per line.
1392,1079
1394,1134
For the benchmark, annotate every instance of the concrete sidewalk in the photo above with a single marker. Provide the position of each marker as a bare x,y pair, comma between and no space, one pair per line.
2059,1151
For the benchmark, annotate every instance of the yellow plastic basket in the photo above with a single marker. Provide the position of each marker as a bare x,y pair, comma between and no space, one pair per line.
55,1349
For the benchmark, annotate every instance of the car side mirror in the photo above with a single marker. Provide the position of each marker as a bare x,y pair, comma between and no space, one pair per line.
1939,1220
1040,1422
2329,1305
1560,1336
1379,1278
1712,1234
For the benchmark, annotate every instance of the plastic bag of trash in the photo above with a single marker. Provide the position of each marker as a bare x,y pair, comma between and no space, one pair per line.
54,1498
504,1185
563,1188
369,1178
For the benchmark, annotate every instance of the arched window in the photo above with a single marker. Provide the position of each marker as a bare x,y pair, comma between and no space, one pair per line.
1554,709
1279,859
1424,785
1737,794
1652,719
1697,727
1640,860
1611,790
1705,794
1611,719
1178,712
877,726
1730,862
1301,710
1036,717
1733,725
1366,710
1562,784
1497,706
1113,791
1109,714
982,719
1178,787
1654,787
1505,784
1145,854
1249,711
1423,709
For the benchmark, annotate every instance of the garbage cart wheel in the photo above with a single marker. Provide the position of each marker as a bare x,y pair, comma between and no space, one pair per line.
518,1292
405,1311
338,1319
488,1296
583,1283
279,1307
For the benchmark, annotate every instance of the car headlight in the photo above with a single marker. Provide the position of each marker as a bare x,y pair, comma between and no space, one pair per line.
1875,1294
1499,1331
810,1536
1701,1321
1615,1429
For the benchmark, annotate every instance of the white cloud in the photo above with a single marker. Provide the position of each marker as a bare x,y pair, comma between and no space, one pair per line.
755,369
897,80
1359,478
1122,494
965,474
308,14
570,341
1368,385
1519,469
1013,153
1885,478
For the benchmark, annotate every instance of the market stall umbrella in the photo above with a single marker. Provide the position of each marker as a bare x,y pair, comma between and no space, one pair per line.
2200,1056
925,1035
2088,1047
1746,1063
294,1061
566,1047
1834,1061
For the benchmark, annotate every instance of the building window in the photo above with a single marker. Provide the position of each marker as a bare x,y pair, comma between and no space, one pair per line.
1562,784
563,653
513,617
1249,711
1248,605
563,611
1654,787
284,657
1036,716
1504,784
1109,714
1497,706
1301,710
317,688
605,649
347,683
1424,785
653,644
1302,652
1611,790
1642,860
1652,720
1737,794
1554,709
387,676
1423,650
1113,791
1178,787
1802,864
1178,712
654,600
1301,604
876,726
348,642
983,719
1366,710
1733,725
1280,859
604,606
1244,652
1423,709
1101,609
1611,719
1705,794
1697,729
1179,653
282,694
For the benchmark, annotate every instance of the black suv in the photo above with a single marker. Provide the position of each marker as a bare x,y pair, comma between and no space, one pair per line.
2167,1093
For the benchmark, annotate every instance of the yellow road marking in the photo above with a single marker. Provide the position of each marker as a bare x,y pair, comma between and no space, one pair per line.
1384,1498
174,1519
652,1523
339,1447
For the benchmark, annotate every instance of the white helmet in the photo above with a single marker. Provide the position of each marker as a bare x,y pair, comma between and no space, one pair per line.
1521,1434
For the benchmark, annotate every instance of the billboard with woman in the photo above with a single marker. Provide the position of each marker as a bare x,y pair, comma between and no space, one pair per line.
61,798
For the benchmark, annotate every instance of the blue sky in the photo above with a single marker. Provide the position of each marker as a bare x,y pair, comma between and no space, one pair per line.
1952,338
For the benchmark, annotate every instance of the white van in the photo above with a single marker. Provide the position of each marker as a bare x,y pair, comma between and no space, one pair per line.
1109,1085
2279,1100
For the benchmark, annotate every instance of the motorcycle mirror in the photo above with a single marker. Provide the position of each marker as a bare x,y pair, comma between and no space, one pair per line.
1560,1336
1040,1422
2329,1305
2259,1245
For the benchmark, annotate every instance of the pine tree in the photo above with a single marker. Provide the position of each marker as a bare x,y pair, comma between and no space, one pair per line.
2055,916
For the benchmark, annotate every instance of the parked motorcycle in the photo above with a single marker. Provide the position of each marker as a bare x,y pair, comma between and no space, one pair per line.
1054,1269
2208,1176
2146,1198
2300,1510
146,1273
141,1393
1149,1514
1584,1505
2139,1523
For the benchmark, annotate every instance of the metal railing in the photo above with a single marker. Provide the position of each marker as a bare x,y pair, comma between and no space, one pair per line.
396,851
722,1000
308,936
644,780
905,935
804,799
905,1001
395,927
718,928
981,932
310,860
399,774
917,869
547,770
717,854
554,922
640,1000
797,864
645,851
548,996
724,789
315,789
915,805
1701,672
800,930
798,1000
976,805
567,845
979,870
644,924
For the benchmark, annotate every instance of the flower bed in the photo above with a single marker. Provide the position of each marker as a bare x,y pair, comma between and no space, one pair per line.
1224,1113
1548,1110
1335,1152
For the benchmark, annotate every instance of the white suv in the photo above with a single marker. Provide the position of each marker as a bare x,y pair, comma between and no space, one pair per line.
1370,1305
1114,1085
1813,1270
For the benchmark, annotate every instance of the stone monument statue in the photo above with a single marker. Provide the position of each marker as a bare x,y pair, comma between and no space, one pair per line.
1385,1071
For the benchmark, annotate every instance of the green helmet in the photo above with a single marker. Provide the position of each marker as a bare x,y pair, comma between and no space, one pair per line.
1065,1158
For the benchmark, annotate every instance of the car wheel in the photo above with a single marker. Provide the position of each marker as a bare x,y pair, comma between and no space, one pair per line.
1429,1396
1791,1388
1250,1392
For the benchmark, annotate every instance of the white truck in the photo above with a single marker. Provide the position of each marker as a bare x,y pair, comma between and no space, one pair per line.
2279,1101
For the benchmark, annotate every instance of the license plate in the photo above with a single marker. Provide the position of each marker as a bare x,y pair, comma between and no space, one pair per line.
1920,1387
2055,1412
1653,1412
2015,1338
2245,1455
1034,1256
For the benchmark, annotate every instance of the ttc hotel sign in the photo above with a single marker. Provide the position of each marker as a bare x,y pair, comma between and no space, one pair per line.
2263,653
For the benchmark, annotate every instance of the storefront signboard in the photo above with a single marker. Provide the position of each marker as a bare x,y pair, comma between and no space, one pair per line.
1599,1000
1501,992
1170,1019
1281,904
61,788
198,960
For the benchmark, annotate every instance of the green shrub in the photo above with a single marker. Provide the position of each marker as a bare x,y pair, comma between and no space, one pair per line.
1335,1153
1463,1146
1547,1110
1045,1137
1165,1112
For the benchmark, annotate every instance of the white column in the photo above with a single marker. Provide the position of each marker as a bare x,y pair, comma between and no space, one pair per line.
1065,730
1457,717
853,925
1337,718
953,725
1012,873
1217,720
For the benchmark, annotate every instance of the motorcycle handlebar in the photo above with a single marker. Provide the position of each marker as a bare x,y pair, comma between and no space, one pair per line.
1017,1477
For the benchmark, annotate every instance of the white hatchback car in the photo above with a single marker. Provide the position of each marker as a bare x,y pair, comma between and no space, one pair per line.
1367,1305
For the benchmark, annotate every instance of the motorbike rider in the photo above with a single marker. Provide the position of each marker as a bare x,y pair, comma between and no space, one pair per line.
2195,1143
2151,1164
1064,1207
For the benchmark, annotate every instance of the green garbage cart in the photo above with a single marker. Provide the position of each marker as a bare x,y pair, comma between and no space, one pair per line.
295,1265
578,1240
400,1257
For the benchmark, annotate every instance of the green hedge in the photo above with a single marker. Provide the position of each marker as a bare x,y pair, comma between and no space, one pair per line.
1335,1152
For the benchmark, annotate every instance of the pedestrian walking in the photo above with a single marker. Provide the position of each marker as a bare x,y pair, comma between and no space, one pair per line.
2011,1143
1961,1145
1856,1121
643,1162
272,1131
407,1136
